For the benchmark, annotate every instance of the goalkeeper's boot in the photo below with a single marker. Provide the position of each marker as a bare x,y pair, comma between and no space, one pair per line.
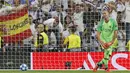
97,66
107,70
95,69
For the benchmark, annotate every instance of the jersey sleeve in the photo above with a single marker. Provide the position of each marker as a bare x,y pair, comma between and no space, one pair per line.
99,27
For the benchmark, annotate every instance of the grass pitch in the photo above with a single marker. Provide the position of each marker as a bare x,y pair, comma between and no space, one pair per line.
60,71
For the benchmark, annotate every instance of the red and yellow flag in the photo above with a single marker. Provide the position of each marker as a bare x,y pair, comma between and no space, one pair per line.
16,26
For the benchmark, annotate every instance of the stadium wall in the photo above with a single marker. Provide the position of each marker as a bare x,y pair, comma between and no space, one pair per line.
77,60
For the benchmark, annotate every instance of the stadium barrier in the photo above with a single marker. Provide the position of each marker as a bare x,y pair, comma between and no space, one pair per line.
77,60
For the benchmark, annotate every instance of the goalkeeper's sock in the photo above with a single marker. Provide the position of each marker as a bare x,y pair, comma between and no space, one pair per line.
100,63
106,63
103,61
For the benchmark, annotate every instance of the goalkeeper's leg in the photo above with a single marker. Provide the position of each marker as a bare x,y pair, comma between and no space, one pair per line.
99,65
107,54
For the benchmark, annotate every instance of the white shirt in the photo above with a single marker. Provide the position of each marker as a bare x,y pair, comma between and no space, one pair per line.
46,7
4,10
33,30
50,22
107,1
61,28
56,14
78,19
120,7
121,42
127,4
34,3
127,14
77,1
113,15
65,4
33,14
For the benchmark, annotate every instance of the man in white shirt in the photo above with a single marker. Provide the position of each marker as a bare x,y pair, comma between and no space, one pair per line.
56,27
59,13
29,41
5,10
127,21
78,18
12,9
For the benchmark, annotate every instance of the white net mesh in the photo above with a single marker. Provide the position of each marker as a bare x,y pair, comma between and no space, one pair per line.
35,32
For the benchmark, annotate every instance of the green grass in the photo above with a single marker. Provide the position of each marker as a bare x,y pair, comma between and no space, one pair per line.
63,71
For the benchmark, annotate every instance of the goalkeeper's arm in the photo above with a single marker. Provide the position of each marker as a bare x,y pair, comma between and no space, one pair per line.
100,41
114,38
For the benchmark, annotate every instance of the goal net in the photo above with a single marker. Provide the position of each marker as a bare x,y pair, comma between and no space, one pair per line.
38,33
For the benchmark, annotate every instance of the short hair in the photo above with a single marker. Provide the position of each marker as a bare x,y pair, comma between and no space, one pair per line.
73,29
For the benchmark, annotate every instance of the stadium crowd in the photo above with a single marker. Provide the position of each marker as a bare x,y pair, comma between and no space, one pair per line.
68,25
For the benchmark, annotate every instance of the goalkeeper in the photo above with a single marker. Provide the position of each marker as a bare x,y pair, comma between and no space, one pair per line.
106,34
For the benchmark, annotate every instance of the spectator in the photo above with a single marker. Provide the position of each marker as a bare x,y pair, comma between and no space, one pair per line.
4,10
46,6
89,19
33,5
121,41
65,4
66,32
67,21
73,41
127,20
56,27
41,41
120,14
11,9
62,2
29,42
2,32
32,25
120,6
78,19
38,12
18,5
70,11
59,13
112,10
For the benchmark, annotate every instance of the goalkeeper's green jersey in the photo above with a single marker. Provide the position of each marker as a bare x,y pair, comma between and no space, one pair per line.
107,29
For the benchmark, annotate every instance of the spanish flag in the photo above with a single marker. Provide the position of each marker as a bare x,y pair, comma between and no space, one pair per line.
16,26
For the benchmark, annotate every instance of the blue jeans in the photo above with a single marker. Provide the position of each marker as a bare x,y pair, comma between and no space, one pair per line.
127,26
